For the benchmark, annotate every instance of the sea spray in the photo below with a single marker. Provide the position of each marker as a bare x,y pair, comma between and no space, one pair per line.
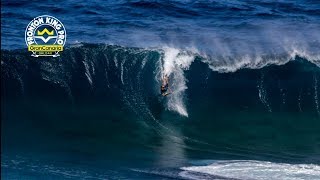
174,64
234,62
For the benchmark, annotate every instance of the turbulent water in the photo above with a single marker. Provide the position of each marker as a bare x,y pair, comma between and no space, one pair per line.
244,76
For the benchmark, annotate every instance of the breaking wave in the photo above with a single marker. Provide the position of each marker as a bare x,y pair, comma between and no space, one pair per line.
137,72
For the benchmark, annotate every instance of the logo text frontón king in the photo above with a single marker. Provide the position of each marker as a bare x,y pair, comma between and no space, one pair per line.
45,36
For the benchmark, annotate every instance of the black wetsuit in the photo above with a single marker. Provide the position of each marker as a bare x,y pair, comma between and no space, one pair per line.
164,89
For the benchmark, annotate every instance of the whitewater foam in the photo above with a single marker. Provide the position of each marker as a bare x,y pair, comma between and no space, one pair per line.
174,63
233,62
262,170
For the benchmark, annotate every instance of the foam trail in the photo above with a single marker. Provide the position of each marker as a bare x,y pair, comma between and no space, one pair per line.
263,94
174,64
316,94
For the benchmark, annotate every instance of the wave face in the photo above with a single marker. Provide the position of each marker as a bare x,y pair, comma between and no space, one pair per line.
107,97
134,74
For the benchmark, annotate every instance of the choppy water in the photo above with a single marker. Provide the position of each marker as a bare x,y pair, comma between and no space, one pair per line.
244,74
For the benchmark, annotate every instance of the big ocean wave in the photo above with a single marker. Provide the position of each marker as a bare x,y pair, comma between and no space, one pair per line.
261,109
244,76
135,73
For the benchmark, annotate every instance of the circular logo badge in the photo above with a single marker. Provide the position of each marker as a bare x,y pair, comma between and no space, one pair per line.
45,36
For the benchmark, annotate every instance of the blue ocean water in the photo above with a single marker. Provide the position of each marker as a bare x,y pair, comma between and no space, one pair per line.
206,25
245,88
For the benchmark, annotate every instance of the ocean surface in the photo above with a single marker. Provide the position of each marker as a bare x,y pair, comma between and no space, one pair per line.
244,75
